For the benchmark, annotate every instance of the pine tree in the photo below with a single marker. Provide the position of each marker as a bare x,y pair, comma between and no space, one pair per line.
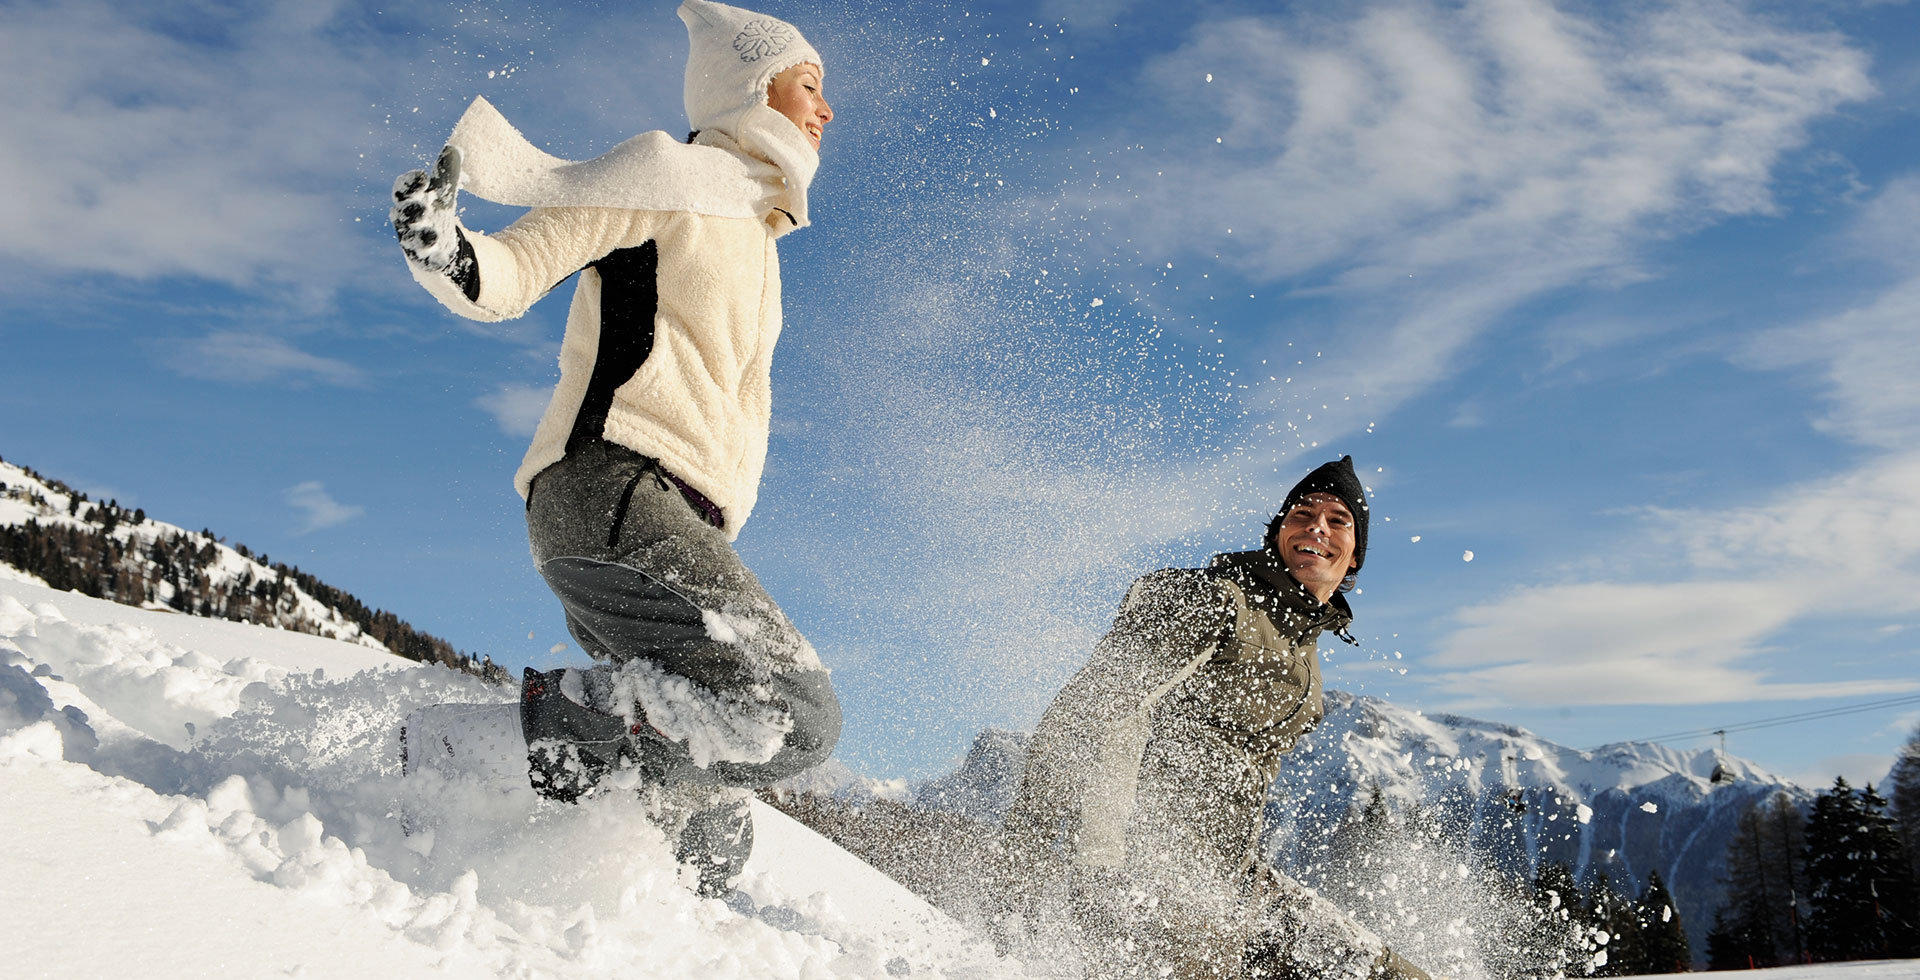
1614,914
1833,896
1861,881
1734,936
1903,786
1663,937
1563,909
1889,875
1755,892
1784,829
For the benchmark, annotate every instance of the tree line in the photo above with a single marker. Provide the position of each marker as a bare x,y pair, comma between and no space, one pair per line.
1836,880
180,570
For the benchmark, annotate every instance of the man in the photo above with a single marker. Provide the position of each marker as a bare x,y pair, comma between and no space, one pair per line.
1146,775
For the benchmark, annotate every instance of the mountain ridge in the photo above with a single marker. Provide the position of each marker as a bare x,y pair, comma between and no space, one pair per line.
1508,797
57,536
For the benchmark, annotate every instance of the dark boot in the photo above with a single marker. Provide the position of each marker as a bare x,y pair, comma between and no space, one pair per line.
571,747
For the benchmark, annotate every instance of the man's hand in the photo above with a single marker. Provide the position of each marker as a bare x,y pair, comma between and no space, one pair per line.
423,213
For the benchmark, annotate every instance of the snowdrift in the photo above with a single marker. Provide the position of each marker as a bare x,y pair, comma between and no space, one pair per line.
187,797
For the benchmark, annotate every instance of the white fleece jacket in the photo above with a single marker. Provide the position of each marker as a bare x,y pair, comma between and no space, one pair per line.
702,401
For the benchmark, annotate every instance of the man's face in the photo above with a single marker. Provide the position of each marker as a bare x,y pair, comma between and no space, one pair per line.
1315,541
796,94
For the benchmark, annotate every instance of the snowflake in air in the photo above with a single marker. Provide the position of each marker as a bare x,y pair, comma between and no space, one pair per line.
762,39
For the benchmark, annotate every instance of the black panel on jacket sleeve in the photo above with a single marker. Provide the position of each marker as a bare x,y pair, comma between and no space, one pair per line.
464,270
629,298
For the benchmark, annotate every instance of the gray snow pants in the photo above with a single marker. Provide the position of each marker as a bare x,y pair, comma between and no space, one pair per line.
646,582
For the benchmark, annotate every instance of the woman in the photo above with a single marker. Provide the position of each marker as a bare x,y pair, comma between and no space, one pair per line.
648,459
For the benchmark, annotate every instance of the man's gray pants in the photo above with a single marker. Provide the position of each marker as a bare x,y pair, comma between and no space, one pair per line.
647,583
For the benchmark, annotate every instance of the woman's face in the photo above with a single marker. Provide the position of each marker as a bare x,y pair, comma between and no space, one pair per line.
795,94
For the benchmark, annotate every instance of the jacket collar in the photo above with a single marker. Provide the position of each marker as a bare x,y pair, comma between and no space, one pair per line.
1262,571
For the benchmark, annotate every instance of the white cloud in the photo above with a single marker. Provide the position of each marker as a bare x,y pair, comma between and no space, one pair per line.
318,507
516,408
1848,545
1609,643
1851,542
237,143
134,151
1904,727
1858,769
1888,228
1422,135
1439,165
1866,358
255,359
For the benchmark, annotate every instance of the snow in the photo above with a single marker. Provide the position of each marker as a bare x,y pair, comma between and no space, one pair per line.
266,840
27,497
716,726
1869,970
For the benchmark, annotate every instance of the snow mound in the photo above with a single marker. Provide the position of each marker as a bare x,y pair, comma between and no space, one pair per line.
194,811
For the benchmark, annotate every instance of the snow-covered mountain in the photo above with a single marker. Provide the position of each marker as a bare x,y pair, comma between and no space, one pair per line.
1520,800
55,536
1508,798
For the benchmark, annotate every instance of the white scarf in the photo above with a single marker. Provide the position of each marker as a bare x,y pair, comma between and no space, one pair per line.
759,170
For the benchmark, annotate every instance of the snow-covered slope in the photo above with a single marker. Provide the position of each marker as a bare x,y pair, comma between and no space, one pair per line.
188,798
53,535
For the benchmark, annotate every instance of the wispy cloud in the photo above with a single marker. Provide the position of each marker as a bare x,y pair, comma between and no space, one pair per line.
516,408
1695,630
1887,231
238,143
1611,643
1858,769
145,142
318,508
1865,357
1698,633
1904,727
1417,136
245,358
1439,165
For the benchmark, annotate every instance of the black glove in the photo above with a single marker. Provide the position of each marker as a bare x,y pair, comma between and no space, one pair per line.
424,217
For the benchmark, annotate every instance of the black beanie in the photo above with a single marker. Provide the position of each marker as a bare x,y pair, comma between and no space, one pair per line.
1339,479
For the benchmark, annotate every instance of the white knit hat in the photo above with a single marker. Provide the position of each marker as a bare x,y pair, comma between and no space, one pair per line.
733,54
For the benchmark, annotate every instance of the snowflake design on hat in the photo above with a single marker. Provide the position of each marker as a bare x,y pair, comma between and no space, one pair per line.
763,39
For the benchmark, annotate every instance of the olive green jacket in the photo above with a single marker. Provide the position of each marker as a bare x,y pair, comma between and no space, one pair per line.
1159,752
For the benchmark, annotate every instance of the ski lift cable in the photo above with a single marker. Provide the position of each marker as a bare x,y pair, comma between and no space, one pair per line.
1779,720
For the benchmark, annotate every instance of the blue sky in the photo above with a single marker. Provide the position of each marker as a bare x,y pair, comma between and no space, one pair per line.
1623,300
